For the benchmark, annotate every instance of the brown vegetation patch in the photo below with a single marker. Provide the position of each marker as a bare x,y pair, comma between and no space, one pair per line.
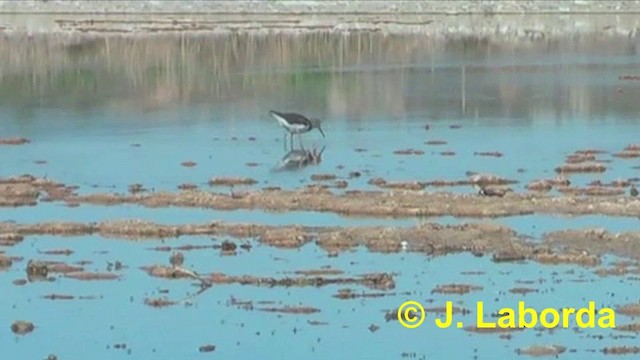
230,181
591,191
5,262
522,290
634,327
347,294
207,348
189,163
21,327
298,310
136,189
187,187
83,275
578,258
621,350
285,237
496,330
598,241
409,152
58,297
629,309
496,154
580,158
63,252
590,152
542,350
159,302
10,239
14,141
323,177
319,272
375,281
397,185
587,167
540,185
628,154
459,289
166,272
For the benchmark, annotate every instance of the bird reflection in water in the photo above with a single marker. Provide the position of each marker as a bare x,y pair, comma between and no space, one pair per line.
298,159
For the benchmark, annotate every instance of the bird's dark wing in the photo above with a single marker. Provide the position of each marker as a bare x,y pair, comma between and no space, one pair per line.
292,118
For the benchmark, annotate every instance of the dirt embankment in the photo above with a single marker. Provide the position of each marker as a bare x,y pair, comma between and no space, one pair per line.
535,19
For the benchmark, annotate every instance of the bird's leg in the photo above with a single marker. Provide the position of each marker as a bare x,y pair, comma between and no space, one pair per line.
285,141
300,138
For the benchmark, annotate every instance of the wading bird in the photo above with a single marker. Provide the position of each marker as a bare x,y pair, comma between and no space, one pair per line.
295,124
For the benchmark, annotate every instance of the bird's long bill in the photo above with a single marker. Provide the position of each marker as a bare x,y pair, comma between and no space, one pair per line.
321,132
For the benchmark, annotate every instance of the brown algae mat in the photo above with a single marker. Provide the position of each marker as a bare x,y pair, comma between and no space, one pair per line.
430,239
396,201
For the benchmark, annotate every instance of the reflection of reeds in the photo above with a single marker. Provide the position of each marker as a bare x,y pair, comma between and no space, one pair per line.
318,69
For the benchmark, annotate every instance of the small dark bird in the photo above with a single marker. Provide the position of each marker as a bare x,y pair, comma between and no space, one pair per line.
296,124
633,192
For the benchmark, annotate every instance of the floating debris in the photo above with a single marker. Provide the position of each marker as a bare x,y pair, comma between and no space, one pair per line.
587,167
176,259
409,152
634,327
137,188
10,239
323,177
540,185
230,181
21,327
435,142
82,275
542,350
522,291
5,262
629,310
292,310
621,350
189,164
489,153
458,289
14,141
187,187
58,297
207,348
159,303
495,330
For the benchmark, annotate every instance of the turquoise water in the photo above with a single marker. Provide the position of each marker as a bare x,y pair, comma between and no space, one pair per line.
87,328
535,103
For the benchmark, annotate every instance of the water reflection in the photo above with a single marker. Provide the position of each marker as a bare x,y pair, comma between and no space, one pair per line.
355,76
300,158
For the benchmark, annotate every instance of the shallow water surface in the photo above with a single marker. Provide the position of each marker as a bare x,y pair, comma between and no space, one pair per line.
106,114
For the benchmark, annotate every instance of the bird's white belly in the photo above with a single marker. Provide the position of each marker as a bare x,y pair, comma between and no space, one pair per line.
296,128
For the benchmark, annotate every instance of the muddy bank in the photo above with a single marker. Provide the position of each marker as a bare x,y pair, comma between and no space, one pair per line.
598,200
399,203
430,239
598,241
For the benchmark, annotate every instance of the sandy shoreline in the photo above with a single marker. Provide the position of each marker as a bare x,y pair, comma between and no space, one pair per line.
531,19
